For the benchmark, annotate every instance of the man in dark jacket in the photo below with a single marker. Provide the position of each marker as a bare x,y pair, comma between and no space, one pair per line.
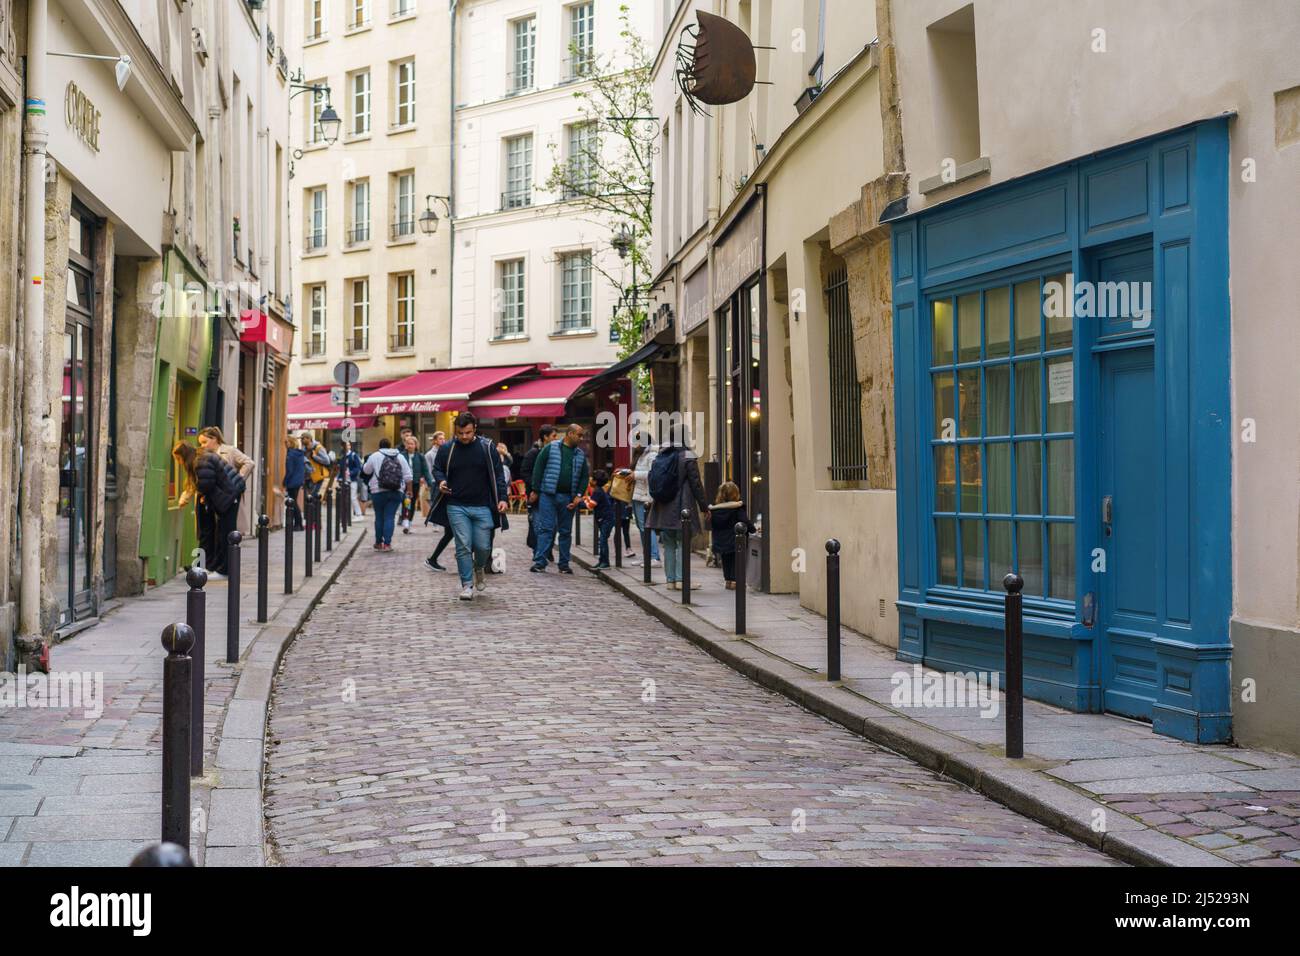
559,481
666,517
546,435
471,488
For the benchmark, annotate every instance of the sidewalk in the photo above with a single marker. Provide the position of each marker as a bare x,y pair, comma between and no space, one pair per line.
84,790
1107,781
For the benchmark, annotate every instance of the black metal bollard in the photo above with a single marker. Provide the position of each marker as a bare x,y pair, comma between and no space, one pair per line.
329,520
289,513
196,612
618,534
686,556
178,640
645,555
232,598
742,552
577,524
1015,666
347,506
315,526
263,570
306,539
832,610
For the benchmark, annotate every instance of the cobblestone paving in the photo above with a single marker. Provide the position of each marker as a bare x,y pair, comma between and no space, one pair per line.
550,721
1252,829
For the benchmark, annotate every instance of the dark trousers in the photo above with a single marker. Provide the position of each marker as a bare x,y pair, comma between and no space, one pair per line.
294,507
447,538
728,565
214,535
603,529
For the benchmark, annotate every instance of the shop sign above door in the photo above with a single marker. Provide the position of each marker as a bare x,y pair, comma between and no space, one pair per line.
81,115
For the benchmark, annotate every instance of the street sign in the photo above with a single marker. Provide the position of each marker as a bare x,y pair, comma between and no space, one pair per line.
345,396
347,373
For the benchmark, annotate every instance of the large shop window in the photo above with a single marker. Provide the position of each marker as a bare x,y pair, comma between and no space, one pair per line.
1002,381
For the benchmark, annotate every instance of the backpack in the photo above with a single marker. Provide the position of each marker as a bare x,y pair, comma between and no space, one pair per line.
390,474
665,478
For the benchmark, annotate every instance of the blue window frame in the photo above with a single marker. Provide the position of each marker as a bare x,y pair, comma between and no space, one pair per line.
1002,440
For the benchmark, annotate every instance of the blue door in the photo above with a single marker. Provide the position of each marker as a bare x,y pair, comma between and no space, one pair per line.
1129,512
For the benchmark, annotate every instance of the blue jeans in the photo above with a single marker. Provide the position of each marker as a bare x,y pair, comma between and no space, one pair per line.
639,509
672,541
386,504
603,530
553,515
472,526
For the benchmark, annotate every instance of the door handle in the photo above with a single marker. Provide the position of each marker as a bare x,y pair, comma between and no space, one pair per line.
1107,513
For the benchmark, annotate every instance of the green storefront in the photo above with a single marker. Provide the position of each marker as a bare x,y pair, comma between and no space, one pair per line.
184,355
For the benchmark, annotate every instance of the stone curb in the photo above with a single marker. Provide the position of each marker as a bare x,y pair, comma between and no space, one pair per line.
1019,788
236,835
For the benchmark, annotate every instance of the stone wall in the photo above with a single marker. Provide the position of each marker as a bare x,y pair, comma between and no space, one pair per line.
58,207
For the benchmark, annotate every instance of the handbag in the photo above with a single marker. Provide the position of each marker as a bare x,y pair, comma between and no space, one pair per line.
621,487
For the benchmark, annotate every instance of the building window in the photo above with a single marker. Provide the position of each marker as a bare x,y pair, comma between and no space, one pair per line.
575,291
315,19
358,14
1002,382
848,447
511,312
956,102
317,217
360,231
403,205
359,332
582,152
404,93
524,46
403,336
519,172
360,86
402,8
316,315
582,39
314,133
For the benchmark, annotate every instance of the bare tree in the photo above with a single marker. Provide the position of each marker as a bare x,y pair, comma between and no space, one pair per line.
608,170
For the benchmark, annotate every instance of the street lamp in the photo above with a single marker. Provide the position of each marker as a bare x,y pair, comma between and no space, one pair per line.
329,121
622,241
429,218
121,68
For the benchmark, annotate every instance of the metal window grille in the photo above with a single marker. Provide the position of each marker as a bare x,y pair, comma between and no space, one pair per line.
848,448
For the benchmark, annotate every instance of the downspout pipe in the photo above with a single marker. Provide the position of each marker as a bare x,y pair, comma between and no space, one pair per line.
37,425
451,202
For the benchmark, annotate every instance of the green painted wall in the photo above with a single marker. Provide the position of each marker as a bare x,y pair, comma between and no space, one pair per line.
184,352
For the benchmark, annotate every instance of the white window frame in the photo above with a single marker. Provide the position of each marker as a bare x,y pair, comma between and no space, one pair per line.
404,88
359,308
360,102
576,306
358,14
316,20
404,300
581,141
317,312
403,202
315,135
512,311
581,28
528,62
518,175
317,217
401,8
360,209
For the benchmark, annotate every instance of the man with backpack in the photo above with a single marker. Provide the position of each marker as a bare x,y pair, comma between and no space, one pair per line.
675,486
390,483
472,493
558,483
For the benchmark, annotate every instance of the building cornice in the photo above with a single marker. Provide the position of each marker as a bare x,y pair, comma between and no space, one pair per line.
111,32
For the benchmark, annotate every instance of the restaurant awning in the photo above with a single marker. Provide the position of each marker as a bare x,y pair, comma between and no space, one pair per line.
438,390
543,397
619,369
314,410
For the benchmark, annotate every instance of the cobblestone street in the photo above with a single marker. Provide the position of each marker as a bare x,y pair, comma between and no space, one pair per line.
550,721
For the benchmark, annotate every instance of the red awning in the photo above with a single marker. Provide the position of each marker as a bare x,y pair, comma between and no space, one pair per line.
543,397
314,410
439,390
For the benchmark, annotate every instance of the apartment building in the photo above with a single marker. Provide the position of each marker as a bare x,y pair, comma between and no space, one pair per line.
367,213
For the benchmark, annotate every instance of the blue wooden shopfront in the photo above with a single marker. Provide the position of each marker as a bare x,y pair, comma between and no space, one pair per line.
1061,356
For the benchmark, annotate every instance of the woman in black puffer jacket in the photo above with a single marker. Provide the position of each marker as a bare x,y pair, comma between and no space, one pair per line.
216,512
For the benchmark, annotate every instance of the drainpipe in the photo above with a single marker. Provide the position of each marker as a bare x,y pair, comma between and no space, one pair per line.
451,202
36,417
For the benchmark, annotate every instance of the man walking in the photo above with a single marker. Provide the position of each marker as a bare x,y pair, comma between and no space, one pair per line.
546,435
390,481
558,483
467,472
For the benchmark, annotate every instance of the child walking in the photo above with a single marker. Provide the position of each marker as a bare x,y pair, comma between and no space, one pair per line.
724,514
604,507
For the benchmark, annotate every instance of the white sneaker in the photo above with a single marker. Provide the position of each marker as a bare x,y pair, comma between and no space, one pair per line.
467,594
480,579
656,563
